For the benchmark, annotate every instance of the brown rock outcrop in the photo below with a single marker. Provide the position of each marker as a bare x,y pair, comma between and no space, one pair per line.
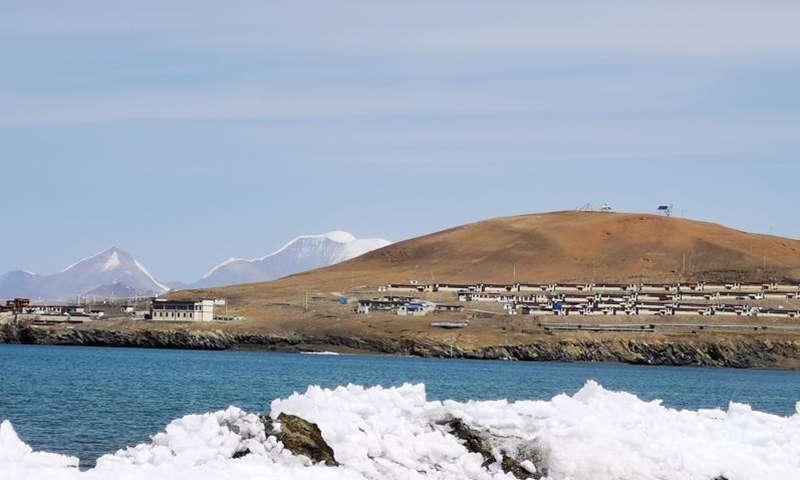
302,437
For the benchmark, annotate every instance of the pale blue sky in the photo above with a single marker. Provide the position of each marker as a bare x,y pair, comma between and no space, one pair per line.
186,132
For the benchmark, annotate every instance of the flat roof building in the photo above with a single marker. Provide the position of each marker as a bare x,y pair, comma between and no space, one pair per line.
163,309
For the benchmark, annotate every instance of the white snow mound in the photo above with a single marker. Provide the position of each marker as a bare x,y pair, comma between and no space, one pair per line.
395,433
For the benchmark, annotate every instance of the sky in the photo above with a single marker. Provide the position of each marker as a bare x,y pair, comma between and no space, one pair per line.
187,132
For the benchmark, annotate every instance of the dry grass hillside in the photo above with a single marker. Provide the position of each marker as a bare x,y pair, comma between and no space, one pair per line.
304,312
555,247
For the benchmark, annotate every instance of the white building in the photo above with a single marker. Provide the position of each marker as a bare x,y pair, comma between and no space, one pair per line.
415,309
163,309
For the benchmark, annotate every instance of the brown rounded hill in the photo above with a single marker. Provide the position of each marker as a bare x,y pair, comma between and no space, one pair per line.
559,247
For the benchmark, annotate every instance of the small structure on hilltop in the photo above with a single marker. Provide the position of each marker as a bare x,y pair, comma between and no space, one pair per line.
665,210
590,208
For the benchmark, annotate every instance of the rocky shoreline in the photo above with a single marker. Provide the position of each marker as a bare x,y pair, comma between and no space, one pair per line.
738,351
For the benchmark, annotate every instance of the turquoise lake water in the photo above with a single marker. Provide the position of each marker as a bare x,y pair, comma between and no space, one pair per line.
90,401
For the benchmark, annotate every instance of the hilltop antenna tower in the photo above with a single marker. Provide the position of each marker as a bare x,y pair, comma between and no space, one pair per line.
665,210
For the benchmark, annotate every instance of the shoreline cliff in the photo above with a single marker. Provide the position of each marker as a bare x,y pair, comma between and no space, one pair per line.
739,351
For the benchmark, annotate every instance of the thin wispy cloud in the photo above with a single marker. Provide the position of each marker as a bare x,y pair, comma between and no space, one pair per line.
491,97
645,27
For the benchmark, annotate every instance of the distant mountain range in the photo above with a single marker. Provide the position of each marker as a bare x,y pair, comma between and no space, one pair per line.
102,274
115,273
303,253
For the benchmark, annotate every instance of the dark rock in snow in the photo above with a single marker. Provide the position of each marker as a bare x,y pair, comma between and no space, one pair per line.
241,453
480,442
301,437
512,466
473,441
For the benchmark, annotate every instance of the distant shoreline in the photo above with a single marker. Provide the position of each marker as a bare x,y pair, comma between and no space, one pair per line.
753,350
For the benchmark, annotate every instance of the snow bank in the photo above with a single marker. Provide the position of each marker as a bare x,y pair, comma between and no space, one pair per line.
19,461
385,433
395,433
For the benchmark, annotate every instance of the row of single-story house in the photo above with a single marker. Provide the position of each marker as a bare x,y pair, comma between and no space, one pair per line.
541,297
752,287
404,306
647,308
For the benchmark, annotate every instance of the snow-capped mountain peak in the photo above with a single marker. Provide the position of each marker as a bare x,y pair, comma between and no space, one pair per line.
108,267
106,254
340,236
305,252
336,236
113,261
